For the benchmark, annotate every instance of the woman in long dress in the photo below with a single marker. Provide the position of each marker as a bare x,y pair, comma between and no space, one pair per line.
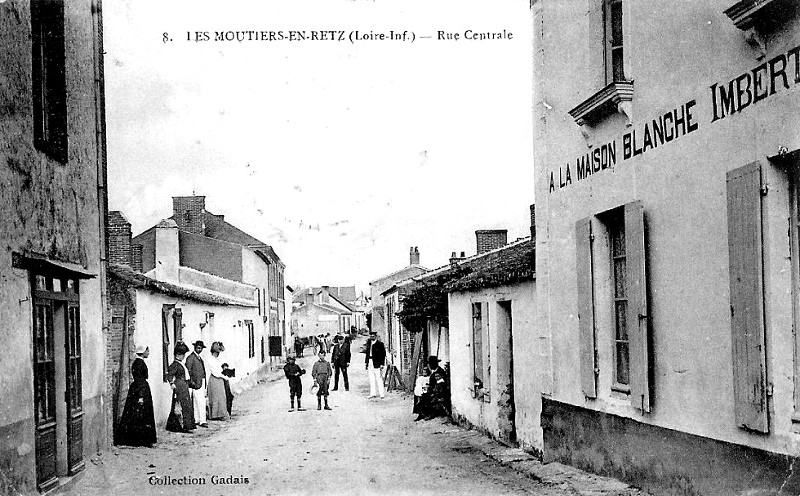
137,426
181,415
217,401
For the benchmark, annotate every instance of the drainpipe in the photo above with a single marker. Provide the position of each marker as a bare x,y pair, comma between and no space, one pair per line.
102,172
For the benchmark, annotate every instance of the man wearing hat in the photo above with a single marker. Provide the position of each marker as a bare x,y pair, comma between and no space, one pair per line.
375,360
436,400
197,383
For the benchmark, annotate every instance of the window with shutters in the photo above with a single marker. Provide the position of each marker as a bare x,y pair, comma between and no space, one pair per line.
624,300
617,92
251,338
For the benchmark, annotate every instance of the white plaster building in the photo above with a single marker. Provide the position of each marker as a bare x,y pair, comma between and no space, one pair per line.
666,156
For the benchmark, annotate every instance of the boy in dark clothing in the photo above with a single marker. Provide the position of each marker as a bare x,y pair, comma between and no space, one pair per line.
322,375
293,373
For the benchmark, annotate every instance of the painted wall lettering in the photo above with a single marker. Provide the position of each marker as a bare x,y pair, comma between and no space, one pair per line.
756,85
669,126
780,73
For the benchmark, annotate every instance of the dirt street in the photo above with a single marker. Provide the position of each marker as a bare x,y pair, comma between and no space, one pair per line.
362,446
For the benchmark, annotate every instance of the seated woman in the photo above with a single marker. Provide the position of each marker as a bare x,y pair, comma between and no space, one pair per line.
137,426
217,401
181,416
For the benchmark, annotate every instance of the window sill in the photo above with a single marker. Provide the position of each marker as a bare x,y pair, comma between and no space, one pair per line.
796,422
620,391
745,13
615,97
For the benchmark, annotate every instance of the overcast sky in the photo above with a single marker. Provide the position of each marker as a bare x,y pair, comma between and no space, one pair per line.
340,155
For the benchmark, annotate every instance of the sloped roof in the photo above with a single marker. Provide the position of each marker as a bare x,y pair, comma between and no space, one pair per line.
515,262
398,272
348,306
139,280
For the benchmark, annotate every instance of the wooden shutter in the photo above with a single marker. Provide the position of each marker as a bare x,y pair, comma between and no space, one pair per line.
586,330
477,346
747,297
165,340
177,319
638,317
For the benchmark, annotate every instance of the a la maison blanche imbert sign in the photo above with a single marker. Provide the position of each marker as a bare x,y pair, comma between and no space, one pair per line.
779,73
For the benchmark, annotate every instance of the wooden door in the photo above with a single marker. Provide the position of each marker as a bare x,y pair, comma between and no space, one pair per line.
74,395
44,372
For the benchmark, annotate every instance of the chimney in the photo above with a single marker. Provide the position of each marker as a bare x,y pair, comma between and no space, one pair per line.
167,251
489,239
119,239
414,256
454,258
189,212
136,257
325,296
533,223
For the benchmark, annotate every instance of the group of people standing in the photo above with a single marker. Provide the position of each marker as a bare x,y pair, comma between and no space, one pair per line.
321,374
201,388
200,392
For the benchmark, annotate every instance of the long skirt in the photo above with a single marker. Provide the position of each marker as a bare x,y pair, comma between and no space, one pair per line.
181,415
137,426
217,401
228,397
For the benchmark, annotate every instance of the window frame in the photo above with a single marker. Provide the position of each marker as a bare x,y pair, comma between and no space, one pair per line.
49,88
609,47
794,255
251,338
615,225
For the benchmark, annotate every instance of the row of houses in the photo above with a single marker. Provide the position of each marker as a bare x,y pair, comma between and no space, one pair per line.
470,313
654,336
193,276
77,291
324,310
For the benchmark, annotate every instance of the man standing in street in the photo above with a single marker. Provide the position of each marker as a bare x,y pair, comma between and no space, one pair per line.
197,383
376,359
340,359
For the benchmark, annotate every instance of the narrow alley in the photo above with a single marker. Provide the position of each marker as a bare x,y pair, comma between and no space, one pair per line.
362,446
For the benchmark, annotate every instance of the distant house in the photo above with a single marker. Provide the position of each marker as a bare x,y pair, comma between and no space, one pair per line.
318,311
173,303
382,316
209,244
429,335
344,294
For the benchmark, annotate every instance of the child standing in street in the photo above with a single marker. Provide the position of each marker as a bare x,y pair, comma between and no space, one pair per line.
293,373
322,375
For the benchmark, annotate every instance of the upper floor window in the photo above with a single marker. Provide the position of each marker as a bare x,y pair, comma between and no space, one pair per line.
617,94
612,15
49,82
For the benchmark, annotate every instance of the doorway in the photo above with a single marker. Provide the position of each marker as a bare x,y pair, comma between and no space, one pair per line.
59,424
505,373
